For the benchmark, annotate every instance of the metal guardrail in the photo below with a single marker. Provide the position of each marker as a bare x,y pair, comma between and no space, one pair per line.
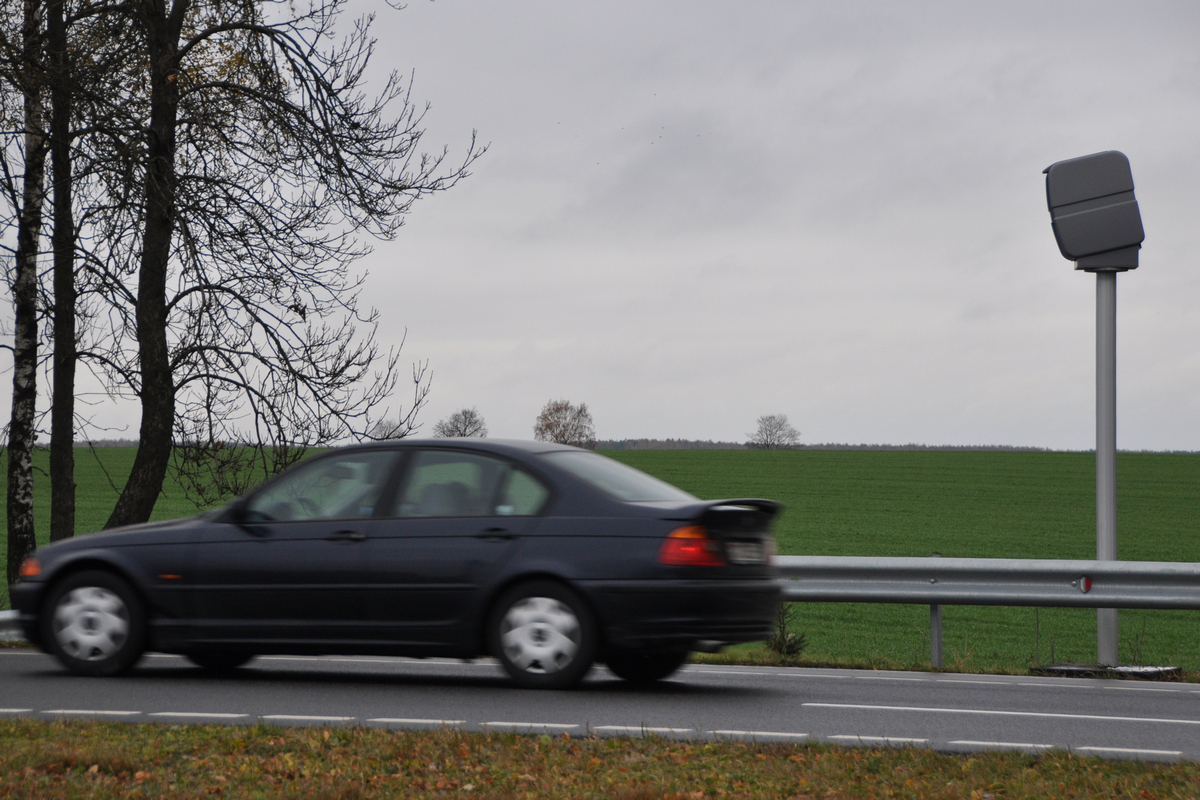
991,582
935,582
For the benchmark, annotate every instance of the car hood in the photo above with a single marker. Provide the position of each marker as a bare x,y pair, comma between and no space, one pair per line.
167,531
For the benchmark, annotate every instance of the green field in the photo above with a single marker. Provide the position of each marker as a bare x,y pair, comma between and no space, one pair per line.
983,504
901,503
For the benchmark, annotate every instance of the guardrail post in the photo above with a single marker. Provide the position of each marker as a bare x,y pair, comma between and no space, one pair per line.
935,636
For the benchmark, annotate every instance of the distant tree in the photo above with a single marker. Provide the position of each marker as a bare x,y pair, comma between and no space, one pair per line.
564,423
465,422
774,433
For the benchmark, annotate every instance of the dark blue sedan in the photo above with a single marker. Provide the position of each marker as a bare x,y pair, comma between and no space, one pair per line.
545,556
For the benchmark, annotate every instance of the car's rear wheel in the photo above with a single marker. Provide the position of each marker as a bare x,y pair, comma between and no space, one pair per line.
543,635
94,624
219,660
644,667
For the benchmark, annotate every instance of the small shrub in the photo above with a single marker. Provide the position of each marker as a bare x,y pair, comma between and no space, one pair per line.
782,641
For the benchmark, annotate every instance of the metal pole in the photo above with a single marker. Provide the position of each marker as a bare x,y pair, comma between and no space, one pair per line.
935,636
1106,452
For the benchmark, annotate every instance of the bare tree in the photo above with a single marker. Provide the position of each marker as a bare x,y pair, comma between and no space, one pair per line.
774,433
248,162
564,423
25,196
465,422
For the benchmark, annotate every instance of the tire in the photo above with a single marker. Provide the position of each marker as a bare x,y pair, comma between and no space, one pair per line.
219,661
641,667
543,635
94,624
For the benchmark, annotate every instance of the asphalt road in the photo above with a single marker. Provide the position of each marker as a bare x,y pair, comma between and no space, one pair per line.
949,712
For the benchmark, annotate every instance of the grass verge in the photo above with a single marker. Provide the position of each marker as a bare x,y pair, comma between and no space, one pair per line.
114,760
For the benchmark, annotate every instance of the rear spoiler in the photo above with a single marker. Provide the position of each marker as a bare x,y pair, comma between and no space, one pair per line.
753,513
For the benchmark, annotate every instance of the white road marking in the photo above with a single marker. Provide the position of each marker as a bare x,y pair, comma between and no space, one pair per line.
307,718
762,733
404,721
1021,745
984,683
639,729
985,712
555,725
884,739
88,711
1146,689
1131,750
886,678
15,710
1066,684
199,714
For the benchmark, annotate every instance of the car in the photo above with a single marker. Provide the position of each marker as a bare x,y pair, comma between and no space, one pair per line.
545,556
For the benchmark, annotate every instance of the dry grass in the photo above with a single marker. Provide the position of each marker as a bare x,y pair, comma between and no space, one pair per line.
113,760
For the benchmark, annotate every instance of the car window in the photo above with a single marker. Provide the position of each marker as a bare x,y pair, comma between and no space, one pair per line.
457,484
523,495
338,487
614,478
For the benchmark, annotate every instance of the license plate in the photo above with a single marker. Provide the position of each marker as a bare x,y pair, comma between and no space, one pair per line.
746,552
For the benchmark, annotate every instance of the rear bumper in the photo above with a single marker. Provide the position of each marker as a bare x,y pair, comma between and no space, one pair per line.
681,614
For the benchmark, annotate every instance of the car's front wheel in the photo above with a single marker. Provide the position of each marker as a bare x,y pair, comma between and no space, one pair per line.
643,667
543,635
94,624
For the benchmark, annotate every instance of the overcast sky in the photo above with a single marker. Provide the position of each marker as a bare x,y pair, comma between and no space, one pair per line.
695,213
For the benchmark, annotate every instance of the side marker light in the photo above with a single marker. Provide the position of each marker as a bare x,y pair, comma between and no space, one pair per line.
31,568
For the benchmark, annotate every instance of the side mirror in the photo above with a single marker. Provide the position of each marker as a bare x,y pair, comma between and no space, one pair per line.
1093,211
237,514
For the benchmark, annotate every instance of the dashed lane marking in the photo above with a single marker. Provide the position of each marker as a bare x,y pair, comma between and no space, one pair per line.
306,718
640,729
773,734
406,721
1063,685
884,739
1131,751
555,725
92,711
982,683
197,714
16,710
985,712
1014,745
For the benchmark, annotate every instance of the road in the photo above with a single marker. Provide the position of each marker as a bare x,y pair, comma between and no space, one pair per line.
949,712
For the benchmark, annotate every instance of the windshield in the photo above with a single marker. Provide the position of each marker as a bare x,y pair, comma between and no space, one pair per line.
619,480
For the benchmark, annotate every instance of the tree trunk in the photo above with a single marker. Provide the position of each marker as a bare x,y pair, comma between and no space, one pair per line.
21,535
62,413
157,391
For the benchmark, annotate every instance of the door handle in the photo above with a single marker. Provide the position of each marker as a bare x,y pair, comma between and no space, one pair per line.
495,534
346,536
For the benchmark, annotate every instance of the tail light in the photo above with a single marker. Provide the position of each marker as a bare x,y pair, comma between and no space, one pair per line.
30,568
691,547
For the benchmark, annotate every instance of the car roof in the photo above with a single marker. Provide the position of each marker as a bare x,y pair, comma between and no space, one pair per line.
512,446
